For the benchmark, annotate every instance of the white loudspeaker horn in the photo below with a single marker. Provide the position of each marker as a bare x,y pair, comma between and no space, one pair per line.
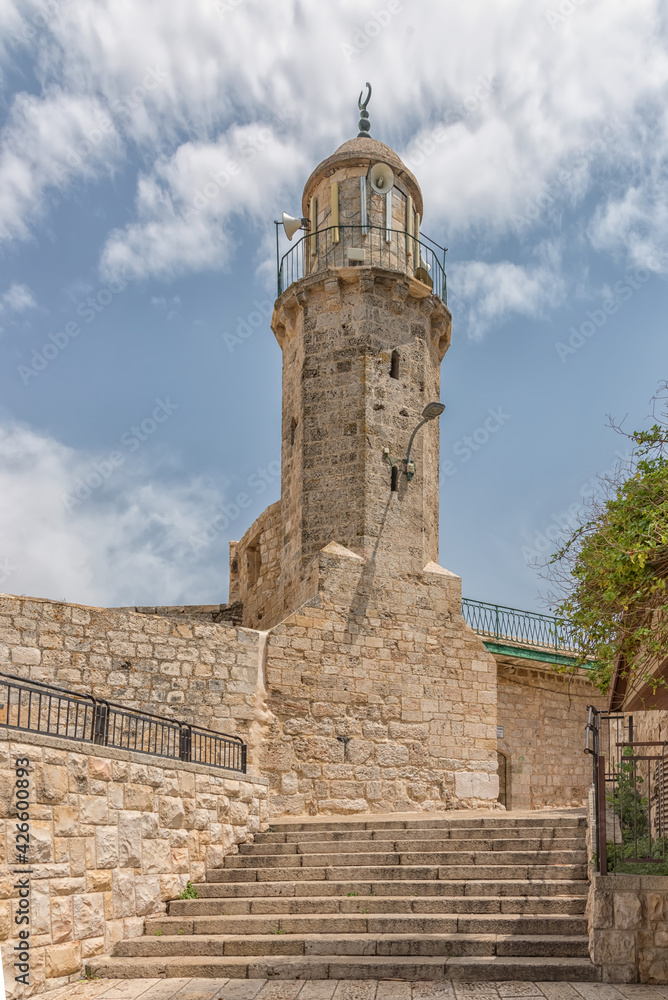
381,178
291,225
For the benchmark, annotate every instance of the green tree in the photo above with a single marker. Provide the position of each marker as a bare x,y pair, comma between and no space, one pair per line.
612,572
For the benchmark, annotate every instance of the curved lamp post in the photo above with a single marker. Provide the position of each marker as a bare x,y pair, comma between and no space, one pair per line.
431,412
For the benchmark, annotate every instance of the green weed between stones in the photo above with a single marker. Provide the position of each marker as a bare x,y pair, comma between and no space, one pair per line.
190,892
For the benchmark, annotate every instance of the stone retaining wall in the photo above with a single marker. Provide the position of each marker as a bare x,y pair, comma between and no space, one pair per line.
628,927
113,834
205,674
543,714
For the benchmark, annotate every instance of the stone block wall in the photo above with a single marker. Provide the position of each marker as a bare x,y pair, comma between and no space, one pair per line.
113,834
543,715
381,697
650,726
342,408
201,673
628,927
255,570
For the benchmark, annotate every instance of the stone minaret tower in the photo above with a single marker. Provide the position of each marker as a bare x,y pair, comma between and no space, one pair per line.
363,325
375,694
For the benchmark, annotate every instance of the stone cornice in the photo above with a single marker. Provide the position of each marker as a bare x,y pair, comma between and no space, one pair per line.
332,282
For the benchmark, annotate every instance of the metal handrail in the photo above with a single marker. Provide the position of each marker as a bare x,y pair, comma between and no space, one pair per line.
34,706
526,627
394,249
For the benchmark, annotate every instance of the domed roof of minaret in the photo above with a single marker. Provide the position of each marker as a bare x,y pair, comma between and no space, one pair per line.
363,152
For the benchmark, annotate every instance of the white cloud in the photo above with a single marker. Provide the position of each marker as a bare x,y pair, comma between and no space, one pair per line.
10,26
486,294
182,85
46,143
18,298
185,205
128,543
633,221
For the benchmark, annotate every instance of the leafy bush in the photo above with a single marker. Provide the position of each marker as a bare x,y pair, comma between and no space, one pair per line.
612,570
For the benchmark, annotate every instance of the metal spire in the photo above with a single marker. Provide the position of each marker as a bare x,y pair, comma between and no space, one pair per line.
364,124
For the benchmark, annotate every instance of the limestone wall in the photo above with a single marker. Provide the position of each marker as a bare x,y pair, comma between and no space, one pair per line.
649,726
382,698
113,835
255,570
342,407
628,927
201,673
543,715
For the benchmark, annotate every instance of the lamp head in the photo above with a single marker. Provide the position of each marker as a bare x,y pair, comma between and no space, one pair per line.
433,410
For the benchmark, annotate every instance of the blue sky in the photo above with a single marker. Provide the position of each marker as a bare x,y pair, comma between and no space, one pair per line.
145,150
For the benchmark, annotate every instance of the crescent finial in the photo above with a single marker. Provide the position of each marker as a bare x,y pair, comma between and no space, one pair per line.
364,125
360,104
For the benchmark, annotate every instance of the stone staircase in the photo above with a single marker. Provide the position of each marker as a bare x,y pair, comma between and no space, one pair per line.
491,897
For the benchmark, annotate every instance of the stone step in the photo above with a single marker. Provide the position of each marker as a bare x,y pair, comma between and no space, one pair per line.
427,945
426,833
470,969
356,903
452,856
395,923
404,846
405,871
428,822
407,887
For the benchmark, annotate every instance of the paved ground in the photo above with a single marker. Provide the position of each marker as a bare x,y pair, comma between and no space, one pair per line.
344,989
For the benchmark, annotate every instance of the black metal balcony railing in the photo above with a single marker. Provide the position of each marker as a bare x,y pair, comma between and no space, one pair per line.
31,706
524,627
370,246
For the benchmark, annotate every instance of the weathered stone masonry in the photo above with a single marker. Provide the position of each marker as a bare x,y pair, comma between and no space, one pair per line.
543,714
113,835
202,673
383,699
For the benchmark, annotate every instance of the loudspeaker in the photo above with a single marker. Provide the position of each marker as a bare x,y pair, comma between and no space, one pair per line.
381,178
291,226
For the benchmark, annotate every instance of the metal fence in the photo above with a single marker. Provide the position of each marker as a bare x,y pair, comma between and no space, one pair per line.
630,794
31,706
371,246
525,627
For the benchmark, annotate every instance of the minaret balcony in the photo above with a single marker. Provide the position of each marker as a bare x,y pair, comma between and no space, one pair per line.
365,246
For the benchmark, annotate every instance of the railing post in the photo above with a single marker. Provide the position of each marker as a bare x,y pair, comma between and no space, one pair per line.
244,750
100,723
185,741
602,846
496,621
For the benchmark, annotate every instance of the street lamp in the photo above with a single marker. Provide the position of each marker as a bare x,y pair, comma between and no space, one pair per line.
431,412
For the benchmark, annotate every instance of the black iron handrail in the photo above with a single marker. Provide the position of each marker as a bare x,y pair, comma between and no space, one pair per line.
525,627
376,246
33,706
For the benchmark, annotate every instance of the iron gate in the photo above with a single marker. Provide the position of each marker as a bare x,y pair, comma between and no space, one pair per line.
630,778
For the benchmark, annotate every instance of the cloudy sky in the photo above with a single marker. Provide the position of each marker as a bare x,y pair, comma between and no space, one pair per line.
145,149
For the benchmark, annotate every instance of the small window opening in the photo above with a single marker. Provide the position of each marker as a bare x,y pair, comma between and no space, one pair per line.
394,365
293,428
395,478
254,562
